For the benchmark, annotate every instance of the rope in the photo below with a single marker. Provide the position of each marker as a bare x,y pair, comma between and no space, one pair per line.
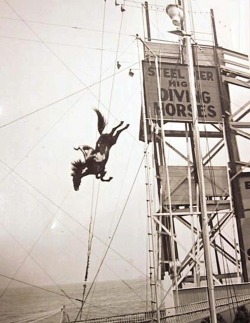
35,286
53,53
116,56
102,42
64,26
39,317
67,213
90,227
213,180
112,238
28,254
90,239
92,221
65,97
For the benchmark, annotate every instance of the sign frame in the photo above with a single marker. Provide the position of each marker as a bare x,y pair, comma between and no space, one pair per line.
176,106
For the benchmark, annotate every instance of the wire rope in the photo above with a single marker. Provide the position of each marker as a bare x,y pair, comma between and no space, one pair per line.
41,138
38,37
70,45
212,177
28,255
105,265
63,98
66,213
99,98
92,218
115,230
64,26
53,53
116,56
35,286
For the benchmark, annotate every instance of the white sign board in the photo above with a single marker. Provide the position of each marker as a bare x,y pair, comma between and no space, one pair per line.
175,94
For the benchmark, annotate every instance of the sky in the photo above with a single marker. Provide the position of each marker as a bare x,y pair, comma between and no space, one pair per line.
58,63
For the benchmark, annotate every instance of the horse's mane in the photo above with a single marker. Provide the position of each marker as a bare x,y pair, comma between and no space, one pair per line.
101,121
77,164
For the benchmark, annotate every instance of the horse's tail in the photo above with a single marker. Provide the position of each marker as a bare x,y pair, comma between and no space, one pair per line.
101,121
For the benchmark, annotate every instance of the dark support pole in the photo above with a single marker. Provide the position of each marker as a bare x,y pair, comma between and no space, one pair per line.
236,192
147,21
233,154
214,28
216,45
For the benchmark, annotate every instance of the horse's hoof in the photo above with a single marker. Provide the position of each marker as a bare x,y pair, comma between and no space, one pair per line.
122,122
76,148
127,126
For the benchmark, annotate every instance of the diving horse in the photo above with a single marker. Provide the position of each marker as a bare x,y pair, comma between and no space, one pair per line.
95,159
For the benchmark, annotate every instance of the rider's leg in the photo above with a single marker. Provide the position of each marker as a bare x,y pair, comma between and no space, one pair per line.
88,152
90,155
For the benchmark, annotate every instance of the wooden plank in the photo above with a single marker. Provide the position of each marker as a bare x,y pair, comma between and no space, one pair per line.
190,279
233,53
234,71
227,61
235,81
180,133
240,124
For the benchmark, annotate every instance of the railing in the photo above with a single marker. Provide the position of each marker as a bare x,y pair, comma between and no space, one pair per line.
186,313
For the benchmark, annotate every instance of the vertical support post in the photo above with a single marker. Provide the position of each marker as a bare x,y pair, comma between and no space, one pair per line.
233,154
214,28
172,243
153,282
200,172
147,21
236,192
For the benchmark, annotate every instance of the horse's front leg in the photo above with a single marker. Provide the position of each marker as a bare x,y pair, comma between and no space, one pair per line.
106,180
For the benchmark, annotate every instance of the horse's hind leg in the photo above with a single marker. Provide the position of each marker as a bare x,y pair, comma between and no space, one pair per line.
115,128
115,137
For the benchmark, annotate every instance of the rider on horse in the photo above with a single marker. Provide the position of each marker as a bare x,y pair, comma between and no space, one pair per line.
96,159
90,154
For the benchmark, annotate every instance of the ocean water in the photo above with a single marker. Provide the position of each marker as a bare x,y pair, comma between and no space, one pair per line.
26,304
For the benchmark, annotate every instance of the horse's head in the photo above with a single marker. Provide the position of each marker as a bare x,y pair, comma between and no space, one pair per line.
77,167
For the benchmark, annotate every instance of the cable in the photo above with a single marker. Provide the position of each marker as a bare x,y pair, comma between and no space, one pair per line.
115,230
92,221
69,45
35,286
113,79
67,214
28,254
40,139
63,98
52,52
64,26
